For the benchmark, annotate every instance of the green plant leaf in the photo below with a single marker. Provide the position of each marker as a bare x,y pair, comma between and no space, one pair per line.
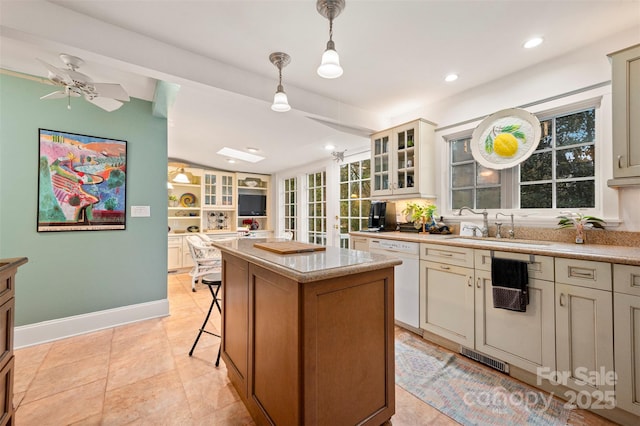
518,134
488,145
511,128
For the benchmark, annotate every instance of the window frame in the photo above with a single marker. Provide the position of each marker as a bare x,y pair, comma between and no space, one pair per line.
606,199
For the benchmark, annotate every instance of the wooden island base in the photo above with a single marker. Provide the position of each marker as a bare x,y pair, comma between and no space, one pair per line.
309,353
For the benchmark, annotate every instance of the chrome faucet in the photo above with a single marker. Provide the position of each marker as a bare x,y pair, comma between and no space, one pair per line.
512,230
485,219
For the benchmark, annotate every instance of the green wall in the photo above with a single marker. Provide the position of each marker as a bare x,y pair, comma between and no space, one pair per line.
72,273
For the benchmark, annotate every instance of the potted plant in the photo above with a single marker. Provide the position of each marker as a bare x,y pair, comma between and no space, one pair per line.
173,200
420,213
579,222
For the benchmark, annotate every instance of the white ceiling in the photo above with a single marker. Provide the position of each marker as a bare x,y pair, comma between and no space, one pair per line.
395,55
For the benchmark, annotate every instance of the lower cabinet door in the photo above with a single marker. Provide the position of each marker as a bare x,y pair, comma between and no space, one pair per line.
446,301
174,258
523,339
584,339
627,350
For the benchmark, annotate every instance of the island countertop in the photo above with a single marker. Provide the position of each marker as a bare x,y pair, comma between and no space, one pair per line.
307,266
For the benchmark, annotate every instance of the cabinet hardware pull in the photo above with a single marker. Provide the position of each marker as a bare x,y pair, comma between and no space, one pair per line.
445,254
478,283
576,273
561,299
444,267
619,161
469,281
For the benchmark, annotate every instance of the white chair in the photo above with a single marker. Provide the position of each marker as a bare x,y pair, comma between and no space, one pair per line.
287,235
206,259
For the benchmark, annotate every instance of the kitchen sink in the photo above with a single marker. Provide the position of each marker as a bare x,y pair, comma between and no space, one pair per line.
501,241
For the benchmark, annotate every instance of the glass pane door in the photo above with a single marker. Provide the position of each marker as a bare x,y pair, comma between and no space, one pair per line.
227,190
381,160
210,190
405,157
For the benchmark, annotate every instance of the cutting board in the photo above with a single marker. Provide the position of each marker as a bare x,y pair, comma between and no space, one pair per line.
288,247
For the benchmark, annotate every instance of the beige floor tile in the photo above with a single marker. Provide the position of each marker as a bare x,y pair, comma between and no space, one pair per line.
76,348
17,398
136,329
411,411
234,414
137,365
67,376
157,400
27,363
63,408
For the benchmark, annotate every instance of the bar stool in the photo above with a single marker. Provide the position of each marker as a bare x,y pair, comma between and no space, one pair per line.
214,282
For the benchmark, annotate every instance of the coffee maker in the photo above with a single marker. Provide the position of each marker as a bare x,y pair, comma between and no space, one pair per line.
382,216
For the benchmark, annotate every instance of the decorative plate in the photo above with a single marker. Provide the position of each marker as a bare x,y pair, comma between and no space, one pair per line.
188,200
506,138
193,228
250,183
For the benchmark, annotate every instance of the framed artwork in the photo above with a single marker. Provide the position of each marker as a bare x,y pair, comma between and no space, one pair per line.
81,182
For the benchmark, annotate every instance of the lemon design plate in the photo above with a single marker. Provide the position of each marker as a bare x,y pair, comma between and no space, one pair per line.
506,138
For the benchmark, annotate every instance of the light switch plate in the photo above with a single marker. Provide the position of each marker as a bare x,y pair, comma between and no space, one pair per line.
140,211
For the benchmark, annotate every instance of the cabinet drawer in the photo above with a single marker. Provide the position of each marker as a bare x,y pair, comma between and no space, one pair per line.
7,289
450,255
6,331
584,273
626,279
540,267
174,241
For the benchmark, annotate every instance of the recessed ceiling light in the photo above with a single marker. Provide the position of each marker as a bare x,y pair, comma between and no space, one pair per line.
254,150
533,42
329,147
230,160
451,77
240,155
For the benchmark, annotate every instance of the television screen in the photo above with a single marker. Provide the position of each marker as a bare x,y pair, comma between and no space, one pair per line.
252,205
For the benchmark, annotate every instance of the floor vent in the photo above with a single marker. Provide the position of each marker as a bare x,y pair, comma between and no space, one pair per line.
481,358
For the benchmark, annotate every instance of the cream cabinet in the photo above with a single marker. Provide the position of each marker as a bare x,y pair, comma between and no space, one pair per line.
625,77
403,161
218,190
185,211
447,292
359,243
253,201
584,323
174,248
626,304
523,339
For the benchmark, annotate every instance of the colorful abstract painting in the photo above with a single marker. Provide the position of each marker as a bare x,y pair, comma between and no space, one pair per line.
81,182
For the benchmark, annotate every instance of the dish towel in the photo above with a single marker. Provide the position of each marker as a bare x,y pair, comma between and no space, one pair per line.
509,279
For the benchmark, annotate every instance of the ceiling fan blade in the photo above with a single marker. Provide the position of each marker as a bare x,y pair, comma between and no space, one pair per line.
106,104
111,90
56,74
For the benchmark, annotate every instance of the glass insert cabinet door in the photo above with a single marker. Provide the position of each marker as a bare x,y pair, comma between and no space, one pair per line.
405,160
227,190
381,163
210,187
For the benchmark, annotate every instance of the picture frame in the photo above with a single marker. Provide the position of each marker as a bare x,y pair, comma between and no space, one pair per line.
81,182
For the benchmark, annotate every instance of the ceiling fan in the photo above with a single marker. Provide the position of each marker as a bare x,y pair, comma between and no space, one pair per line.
108,96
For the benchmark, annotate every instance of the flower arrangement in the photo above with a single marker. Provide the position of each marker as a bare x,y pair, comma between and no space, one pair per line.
173,200
579,222
420,213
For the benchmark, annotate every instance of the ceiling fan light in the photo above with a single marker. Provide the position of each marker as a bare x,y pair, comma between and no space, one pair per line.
280,101
330,64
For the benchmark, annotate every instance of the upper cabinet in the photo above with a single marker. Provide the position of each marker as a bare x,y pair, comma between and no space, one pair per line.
403,161
625,82
218,190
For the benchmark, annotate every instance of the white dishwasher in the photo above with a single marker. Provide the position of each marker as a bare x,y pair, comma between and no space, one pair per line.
406,277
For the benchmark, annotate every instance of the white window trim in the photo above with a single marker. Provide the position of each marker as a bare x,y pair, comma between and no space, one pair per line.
606,199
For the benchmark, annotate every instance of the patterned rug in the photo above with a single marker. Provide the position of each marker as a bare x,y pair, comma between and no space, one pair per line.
469,393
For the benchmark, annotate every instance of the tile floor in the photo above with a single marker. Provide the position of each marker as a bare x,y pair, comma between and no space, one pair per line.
141,374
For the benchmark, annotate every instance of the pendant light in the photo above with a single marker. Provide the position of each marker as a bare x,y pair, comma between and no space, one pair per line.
330,65
280,102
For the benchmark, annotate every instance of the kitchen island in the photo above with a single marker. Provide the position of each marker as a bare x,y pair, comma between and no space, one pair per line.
308,338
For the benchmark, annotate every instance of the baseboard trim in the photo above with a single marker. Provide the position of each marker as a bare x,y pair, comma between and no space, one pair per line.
48,331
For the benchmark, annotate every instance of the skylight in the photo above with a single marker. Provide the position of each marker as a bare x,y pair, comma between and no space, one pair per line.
240,155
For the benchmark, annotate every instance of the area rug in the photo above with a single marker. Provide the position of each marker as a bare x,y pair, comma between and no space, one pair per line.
469,393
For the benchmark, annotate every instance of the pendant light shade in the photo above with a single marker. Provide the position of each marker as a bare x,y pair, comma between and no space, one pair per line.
330,64
179,176
280,101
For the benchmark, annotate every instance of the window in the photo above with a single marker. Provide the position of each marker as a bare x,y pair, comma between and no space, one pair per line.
317,203
290,216
559,174
355,198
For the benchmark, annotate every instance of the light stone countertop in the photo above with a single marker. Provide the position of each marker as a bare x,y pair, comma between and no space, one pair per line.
308,266
597,252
